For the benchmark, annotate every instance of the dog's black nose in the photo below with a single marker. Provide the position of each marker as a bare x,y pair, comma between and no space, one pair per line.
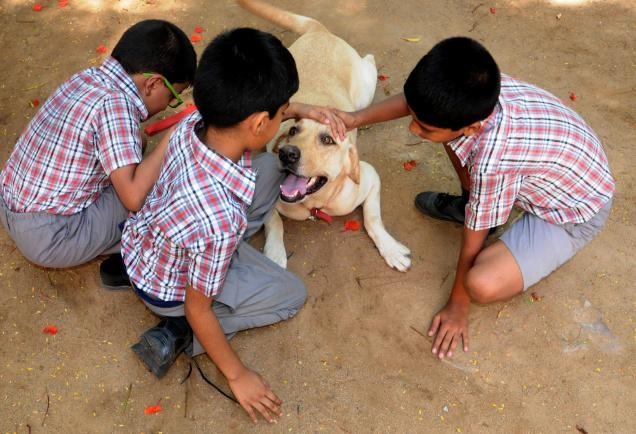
289,154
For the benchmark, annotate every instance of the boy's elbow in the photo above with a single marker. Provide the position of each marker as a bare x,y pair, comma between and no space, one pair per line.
133,204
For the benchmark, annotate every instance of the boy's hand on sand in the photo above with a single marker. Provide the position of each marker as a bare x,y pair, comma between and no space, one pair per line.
449,326
254,394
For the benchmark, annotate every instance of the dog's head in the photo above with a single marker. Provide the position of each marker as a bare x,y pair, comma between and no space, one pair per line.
314,158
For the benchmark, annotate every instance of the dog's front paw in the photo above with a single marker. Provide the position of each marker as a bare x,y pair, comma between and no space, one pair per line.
395,254
276,254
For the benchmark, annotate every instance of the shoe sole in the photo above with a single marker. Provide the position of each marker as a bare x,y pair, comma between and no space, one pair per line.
116,287
144,350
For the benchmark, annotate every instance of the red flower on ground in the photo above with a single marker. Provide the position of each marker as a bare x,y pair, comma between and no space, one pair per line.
50,329
34,102
572,96
196,38
152,409
409,165
382,77
37,7
101,49
62,3
352,225
493,10
198,29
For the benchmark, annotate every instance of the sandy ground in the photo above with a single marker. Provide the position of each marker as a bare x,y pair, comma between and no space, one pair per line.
351,361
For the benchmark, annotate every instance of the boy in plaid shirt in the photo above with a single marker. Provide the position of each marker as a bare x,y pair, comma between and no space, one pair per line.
186,250
77,169
511,144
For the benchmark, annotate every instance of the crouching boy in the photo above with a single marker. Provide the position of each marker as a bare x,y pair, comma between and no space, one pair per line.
185,250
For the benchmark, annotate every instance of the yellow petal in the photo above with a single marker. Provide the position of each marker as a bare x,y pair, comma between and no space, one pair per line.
412,39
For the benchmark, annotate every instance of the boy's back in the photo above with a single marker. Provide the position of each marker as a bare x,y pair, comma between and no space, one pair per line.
535,153
91,120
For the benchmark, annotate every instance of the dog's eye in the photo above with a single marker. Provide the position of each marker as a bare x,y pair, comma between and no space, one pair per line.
327,140
292,131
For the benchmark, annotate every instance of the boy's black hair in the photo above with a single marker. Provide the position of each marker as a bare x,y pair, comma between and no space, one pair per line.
241,72
157,46
454,85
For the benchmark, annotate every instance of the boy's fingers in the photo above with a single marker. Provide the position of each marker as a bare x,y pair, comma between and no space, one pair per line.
465,340
443,348
438,340
272,396
434,325
453,345
267,402
250,412
263,410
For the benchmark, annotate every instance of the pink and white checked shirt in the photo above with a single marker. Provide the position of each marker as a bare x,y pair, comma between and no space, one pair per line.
192,221
89,127
537,154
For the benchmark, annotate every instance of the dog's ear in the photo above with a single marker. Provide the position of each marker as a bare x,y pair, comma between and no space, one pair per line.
354,164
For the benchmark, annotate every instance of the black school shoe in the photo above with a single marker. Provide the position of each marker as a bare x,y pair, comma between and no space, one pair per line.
112,271
442,206
160,346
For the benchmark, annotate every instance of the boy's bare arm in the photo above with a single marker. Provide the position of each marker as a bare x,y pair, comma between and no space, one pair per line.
391,108
249,388
134,181
450,324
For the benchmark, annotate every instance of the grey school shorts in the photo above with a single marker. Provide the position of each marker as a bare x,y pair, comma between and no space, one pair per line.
540,247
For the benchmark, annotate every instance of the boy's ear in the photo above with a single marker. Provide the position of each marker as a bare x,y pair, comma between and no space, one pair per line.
258,122
471,129
148,84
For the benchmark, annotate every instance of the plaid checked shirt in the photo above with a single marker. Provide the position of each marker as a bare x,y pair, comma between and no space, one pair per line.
192,221
89,127
537,154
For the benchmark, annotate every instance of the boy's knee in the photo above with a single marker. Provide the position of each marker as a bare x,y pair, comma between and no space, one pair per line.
298,292
481,287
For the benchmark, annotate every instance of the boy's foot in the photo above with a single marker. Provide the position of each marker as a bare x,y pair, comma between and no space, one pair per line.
113,273
442,206
160,346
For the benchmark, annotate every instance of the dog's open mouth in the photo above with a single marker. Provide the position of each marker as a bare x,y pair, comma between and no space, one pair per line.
294,188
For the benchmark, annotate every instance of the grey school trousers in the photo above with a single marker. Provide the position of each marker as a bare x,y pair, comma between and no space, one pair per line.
61,241
256,292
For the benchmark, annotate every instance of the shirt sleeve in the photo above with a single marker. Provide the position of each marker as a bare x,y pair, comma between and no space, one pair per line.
118,133
209,263
492,197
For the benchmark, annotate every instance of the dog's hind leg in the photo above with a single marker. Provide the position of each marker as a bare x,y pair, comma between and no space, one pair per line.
274,243
394,253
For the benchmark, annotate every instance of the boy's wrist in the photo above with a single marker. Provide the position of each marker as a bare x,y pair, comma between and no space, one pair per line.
232,373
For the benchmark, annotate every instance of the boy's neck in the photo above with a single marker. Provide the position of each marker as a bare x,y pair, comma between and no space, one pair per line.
227,142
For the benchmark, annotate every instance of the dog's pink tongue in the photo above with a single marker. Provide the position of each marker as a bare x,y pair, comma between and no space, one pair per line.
294,184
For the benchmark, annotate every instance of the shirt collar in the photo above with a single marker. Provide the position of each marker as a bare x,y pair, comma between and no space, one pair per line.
465,147
113,70
238,177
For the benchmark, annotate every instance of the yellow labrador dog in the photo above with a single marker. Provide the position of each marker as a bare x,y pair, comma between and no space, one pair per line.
325,174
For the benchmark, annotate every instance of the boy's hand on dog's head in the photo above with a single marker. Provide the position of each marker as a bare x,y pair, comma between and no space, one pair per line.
254,394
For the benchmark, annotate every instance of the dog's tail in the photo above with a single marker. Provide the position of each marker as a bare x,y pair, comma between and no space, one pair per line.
287,20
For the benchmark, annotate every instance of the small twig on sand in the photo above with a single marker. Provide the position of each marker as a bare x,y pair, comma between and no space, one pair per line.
476,7
358,282
414,143
34,86
419,332
24,21
128,397
48,403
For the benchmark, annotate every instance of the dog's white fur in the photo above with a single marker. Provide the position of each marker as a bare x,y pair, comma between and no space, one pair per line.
331,74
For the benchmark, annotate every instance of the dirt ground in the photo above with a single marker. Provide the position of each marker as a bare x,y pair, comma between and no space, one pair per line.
353,360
